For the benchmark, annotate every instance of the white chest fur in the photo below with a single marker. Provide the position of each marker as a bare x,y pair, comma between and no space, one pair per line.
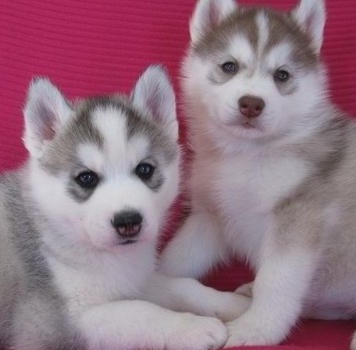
104,279
244,189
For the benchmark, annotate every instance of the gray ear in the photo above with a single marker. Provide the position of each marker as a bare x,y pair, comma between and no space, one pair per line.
311,17
208,14
45,111
154,96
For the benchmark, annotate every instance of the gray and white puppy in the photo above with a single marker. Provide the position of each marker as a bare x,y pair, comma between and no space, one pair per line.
79,224
273,177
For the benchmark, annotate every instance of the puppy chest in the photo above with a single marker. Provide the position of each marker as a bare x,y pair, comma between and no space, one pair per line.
245,192
256,184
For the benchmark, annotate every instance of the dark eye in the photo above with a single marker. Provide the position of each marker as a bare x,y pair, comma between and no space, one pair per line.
144,171
281,75
87,179
230,67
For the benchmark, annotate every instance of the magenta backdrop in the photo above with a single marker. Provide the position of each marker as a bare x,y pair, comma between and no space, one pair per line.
93,47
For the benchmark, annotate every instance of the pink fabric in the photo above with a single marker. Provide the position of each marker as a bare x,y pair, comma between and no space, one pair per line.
94,47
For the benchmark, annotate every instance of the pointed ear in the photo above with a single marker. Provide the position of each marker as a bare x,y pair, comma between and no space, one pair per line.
154,96
45,111
311,17
207,15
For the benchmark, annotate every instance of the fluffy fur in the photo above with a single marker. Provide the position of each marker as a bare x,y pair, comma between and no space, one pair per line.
273,175
79,224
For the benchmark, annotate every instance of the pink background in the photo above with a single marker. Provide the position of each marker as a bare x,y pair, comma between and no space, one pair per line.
91,47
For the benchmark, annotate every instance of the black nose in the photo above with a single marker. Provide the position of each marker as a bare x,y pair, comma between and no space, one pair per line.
127,223
251,106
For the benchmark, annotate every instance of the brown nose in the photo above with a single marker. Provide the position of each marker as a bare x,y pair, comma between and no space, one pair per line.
251,106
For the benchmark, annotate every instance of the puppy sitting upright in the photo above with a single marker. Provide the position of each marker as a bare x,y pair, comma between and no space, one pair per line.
273,176
79,224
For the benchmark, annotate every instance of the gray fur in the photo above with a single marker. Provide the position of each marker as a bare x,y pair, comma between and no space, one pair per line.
61,154
282,197
81,130
32,312
301,216
243,21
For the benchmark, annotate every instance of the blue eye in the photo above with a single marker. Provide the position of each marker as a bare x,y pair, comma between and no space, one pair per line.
144,171
87,179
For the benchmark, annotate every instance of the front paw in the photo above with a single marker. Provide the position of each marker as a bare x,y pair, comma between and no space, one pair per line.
232,306
245,289
197,333
249,330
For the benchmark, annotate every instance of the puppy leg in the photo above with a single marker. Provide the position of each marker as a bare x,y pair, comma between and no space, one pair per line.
278,291
189,295
245,289
135,324
195,249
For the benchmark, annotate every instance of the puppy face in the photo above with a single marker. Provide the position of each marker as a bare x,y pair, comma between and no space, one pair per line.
254,73
109,173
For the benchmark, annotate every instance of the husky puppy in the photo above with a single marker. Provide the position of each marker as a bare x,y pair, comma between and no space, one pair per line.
273,177
79,224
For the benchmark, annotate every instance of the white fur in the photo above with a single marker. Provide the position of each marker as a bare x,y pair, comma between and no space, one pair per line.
153,94
105,284
207,14
91,156
45,112
276,306
241,175
262,25
241,50
311,16
138,324
113,130
278,116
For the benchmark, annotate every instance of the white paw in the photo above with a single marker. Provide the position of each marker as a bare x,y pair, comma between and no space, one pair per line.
245,289
198,333
232,306
248,330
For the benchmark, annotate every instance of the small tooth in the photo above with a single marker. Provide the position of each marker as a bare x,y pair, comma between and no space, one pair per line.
122,230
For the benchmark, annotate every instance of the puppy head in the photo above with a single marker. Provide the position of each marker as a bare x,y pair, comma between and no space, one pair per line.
105,171
254,73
